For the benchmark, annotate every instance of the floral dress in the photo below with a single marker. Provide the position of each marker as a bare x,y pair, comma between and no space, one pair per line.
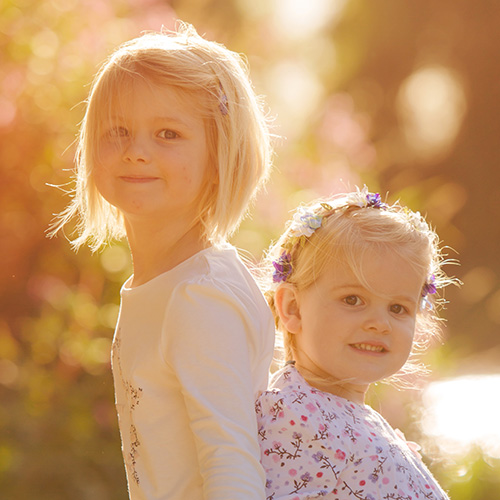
318,445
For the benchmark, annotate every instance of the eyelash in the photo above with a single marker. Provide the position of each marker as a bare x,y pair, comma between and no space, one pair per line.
115,132
170,132
403,310
346,300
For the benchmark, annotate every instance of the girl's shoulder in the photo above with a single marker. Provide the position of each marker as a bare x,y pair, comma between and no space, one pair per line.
217,291
290,396
221,267
212,272
215,263
288,383
219,275
214,281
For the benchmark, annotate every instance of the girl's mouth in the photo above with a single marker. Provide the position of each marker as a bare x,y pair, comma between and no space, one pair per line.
369,347
138,179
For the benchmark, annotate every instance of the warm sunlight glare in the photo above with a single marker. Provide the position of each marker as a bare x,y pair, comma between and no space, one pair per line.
295,92
115,259
431,104
462,413
298,19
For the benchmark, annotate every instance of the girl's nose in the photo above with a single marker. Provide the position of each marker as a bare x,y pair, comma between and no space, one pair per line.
378,322
137,152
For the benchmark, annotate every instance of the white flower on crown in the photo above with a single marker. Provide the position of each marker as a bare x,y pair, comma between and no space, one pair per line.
307,219
419,222
416,220
359,198
304,223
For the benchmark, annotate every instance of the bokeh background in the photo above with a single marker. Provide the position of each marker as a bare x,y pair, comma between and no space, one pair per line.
403,96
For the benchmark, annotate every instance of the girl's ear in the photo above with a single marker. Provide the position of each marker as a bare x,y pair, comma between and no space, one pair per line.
286,301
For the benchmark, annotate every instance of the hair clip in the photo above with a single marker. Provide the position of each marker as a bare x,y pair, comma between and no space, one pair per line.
223,101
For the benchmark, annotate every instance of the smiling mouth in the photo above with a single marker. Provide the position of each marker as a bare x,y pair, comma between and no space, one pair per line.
138,179
369,347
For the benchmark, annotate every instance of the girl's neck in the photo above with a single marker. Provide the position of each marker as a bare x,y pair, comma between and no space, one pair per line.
157,251
322,381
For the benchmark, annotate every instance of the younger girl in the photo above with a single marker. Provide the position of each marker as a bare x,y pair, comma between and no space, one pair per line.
352,300
172,148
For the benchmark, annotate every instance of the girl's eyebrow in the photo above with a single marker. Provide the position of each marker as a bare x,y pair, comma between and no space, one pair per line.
359,286
349,286
406,298
156,119
170,119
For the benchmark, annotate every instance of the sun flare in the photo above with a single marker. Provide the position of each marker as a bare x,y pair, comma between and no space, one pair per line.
462,413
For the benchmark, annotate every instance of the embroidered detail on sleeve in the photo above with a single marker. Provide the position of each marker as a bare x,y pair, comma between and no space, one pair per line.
133,395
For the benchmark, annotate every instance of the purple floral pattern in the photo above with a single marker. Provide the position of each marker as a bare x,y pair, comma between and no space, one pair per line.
317,445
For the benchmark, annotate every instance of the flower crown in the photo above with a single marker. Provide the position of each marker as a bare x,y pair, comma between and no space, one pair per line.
307,220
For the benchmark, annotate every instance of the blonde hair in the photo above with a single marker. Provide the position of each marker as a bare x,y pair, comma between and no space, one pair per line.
238,136
348,230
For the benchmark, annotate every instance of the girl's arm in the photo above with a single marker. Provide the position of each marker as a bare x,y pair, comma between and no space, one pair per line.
208,347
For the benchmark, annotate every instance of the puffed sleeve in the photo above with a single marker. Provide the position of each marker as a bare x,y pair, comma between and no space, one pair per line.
209,344
298,461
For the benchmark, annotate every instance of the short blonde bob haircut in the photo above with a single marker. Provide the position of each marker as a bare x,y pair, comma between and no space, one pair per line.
347,234
216,81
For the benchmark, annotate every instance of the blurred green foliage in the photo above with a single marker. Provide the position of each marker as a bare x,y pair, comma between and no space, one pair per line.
401,96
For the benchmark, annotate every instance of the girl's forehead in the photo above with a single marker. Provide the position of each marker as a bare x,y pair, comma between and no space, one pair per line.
132,93
133,87
382,269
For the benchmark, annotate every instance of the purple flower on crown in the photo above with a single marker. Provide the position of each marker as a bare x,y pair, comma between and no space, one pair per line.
374,200
429,286
307,220
282,267
362,198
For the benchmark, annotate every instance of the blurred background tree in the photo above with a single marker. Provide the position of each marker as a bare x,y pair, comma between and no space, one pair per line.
402,96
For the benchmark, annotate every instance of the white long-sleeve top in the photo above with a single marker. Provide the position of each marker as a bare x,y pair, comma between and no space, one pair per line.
191,352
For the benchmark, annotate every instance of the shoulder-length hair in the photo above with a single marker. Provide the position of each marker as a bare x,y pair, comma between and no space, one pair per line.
238,134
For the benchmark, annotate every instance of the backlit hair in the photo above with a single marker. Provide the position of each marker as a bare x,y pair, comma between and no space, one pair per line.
216,81
346,235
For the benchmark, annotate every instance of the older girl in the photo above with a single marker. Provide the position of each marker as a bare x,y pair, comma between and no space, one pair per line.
173,146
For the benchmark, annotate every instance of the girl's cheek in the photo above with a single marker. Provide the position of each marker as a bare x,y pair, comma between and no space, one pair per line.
108,151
